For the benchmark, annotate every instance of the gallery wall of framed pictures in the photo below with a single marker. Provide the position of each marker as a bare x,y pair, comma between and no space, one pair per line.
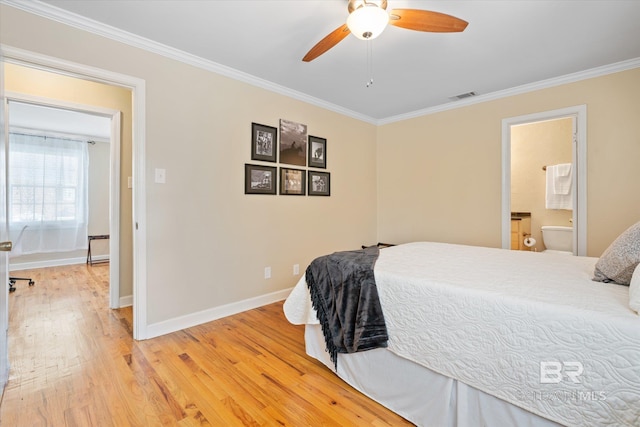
296,154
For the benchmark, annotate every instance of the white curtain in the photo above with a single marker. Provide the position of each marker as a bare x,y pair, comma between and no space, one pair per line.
48,200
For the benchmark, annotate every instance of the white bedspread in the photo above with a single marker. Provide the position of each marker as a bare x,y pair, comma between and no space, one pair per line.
492,317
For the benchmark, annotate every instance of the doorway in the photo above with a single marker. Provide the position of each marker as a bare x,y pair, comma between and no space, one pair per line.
35,119
577,118
136,89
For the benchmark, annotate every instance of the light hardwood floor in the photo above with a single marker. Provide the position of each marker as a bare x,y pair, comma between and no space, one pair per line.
74,363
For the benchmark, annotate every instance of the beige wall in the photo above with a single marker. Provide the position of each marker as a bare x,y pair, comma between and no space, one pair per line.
439,176
208,242
534,145
31,81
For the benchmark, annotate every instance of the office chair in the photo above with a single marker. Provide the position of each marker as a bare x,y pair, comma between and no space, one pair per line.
13,280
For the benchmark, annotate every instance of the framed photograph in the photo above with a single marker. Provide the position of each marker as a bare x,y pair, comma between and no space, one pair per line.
264,142
260,179
293,143
319,183
293,182
317,152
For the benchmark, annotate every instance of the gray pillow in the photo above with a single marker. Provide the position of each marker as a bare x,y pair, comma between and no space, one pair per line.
620,259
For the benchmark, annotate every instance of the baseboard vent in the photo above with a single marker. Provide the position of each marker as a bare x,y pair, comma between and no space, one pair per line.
463,96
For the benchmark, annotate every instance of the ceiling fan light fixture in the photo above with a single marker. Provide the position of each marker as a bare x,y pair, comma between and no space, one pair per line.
368,21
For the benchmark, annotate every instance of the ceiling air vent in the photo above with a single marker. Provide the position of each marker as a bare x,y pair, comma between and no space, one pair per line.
463,96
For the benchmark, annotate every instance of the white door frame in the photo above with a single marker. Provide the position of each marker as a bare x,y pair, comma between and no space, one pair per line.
4,257
138,89
114,177
579,113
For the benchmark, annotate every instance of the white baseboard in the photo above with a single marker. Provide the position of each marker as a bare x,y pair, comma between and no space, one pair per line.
52,263
204,316
126,301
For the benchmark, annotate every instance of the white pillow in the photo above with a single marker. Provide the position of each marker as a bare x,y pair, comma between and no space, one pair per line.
617,262
634,290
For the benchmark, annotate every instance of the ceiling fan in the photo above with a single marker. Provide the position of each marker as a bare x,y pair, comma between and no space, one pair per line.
368,18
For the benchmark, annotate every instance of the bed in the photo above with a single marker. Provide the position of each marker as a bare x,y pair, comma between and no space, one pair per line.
485,336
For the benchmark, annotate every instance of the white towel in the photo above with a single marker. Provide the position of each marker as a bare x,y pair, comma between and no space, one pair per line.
553,200
562,178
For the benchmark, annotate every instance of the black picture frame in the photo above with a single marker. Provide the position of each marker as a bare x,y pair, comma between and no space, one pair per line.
293,182
319,183
317,152
259,179
293,143
264,142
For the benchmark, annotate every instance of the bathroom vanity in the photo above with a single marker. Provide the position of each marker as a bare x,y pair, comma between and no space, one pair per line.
520,230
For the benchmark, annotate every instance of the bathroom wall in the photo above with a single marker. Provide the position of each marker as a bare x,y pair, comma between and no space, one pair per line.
534,145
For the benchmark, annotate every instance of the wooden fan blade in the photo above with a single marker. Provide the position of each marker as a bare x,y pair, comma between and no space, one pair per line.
327,43
425,20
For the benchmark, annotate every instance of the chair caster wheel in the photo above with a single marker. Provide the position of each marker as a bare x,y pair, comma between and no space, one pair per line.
12,289
31,283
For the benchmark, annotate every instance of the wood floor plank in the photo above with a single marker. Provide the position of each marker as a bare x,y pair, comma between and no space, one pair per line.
74,363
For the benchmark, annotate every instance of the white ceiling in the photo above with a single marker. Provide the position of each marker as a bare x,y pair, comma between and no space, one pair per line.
507,44
25,116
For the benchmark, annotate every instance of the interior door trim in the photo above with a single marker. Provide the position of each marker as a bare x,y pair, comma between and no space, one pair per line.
138,89
579,112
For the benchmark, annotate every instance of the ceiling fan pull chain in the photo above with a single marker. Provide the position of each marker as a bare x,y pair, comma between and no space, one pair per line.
369,63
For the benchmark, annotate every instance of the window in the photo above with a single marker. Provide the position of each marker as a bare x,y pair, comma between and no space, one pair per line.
48,192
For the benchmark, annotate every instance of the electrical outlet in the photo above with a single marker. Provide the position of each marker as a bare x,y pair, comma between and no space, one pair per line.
267,272
296,269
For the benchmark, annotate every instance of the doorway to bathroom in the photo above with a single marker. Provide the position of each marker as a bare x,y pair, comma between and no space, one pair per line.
531,144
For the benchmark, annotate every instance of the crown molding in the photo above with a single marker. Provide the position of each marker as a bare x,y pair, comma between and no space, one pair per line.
77,21
542,84
86,24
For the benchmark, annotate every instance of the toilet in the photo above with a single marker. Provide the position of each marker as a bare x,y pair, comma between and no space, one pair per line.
557,239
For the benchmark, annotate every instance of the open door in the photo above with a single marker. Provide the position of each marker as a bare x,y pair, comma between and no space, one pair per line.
5,245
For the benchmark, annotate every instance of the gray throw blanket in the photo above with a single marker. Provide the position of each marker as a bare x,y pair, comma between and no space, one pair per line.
344,295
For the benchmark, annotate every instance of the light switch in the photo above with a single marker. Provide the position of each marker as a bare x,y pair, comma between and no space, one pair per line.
161,176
